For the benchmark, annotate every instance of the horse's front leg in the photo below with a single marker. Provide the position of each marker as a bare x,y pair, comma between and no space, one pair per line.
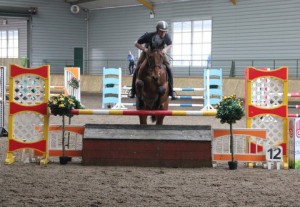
143,119
139,94
161,92
160,120
164,106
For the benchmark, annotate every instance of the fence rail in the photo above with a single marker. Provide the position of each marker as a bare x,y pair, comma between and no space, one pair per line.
231,68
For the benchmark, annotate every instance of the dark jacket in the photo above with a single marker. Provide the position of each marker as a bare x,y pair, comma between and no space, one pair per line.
153,40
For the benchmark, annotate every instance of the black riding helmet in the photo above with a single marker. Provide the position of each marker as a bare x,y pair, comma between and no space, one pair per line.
162,26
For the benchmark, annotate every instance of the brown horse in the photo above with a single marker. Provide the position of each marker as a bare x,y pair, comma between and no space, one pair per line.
152,86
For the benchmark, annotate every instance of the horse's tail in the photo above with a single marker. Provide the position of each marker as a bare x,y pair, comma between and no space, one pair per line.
153,118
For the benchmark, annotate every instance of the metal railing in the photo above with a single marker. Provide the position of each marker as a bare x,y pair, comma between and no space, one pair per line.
231,68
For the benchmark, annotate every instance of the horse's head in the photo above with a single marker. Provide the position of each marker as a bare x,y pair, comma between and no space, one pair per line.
155,60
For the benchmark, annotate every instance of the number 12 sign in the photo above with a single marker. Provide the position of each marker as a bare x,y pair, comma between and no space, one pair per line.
274,153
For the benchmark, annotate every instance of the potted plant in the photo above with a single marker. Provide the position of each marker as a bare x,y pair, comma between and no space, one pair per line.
230,110
74,83
63,105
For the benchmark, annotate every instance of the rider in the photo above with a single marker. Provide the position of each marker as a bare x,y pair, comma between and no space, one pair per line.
155,40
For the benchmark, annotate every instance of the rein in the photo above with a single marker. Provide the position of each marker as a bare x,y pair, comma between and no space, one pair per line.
154,65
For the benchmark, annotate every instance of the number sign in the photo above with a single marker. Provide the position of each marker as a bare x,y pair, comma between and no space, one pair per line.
274,153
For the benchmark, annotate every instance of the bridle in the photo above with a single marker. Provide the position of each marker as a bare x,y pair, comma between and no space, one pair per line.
155,65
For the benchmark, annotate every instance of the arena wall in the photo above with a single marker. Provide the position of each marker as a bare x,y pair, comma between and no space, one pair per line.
93,84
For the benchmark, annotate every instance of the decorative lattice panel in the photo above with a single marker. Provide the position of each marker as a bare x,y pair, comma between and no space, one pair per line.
246,143
267,92
73,140
24,130
28,108
222,145
266,104
29,90
273,125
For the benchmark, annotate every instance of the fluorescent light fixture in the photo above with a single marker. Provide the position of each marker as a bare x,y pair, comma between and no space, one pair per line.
152,14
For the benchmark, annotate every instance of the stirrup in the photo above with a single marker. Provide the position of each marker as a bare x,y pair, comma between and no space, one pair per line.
173,96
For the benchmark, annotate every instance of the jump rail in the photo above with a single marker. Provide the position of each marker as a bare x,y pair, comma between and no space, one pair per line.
212,91
294,115
142,112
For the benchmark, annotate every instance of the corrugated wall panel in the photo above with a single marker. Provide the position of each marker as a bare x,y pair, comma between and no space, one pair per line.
63,31
248,31
113,31
55,32
257,30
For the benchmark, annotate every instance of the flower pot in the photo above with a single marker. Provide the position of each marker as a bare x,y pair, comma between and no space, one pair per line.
232,165
63,160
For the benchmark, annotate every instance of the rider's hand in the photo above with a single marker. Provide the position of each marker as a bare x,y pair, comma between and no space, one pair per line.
145,50
164,51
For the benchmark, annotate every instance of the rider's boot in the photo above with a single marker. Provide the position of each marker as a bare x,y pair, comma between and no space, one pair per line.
132,94
170,74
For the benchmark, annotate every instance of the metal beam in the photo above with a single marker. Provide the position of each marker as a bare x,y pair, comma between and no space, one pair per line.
234,2
147,4
17,11
72,2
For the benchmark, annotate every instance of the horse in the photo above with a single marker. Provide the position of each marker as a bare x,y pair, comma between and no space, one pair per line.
152,87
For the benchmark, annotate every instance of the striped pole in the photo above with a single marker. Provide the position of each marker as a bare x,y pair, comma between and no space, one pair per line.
142,112
175,89
294,95
188,89
178,97
57,87
294,106
294,115
190,97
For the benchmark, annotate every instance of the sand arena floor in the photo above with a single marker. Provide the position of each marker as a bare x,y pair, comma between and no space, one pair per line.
53,184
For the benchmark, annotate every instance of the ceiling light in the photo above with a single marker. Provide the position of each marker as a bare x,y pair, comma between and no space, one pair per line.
152,14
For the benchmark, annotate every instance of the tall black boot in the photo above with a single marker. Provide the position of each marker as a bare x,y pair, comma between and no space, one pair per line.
132,95
171,92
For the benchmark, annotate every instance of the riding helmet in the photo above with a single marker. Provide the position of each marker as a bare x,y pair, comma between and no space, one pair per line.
162,26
